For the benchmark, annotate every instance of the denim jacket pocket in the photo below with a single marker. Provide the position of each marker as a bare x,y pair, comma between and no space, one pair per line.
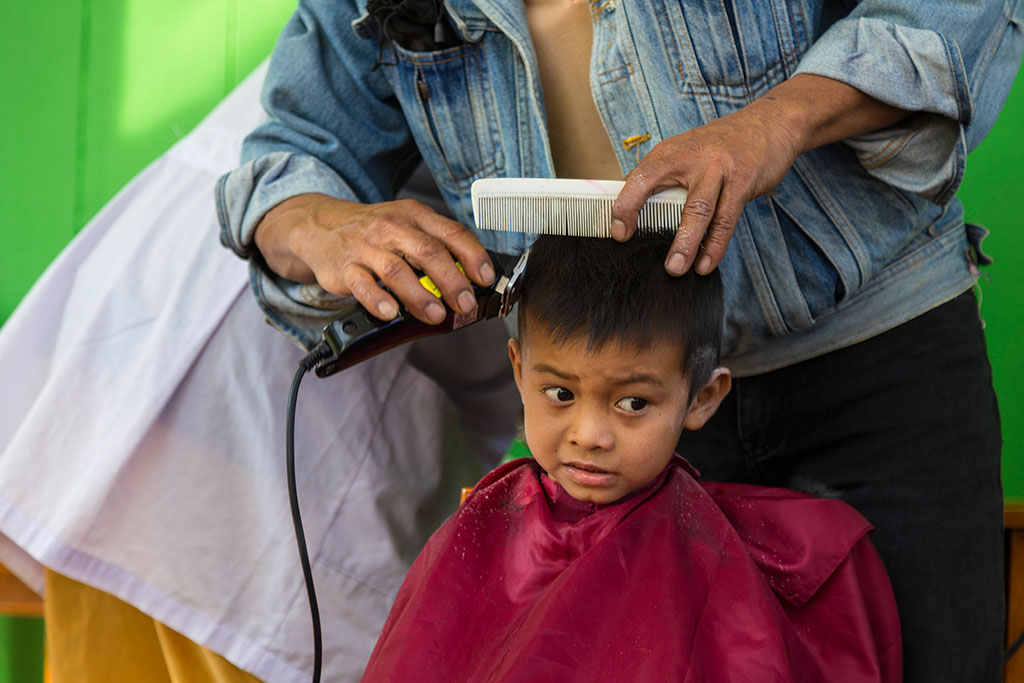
459,143
811,251
753,49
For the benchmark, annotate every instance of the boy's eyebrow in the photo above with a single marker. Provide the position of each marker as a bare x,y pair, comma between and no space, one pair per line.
640,378
633,378
544,367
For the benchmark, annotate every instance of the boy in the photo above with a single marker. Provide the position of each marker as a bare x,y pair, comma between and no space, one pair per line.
603,558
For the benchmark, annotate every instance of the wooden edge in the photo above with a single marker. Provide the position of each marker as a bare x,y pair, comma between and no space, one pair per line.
1013,513
1014,670
17,599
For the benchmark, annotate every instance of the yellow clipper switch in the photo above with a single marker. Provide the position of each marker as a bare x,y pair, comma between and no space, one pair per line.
429,285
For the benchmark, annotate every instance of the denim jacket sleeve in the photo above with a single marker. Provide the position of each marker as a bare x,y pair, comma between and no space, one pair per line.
950,62
320,81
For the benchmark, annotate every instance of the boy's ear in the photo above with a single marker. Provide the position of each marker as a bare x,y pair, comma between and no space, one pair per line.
707,400
515,354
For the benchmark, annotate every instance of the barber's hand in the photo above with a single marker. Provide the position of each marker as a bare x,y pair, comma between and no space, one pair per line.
348,247
729,161
723,165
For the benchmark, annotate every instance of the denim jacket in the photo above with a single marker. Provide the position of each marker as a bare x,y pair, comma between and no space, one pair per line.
859,237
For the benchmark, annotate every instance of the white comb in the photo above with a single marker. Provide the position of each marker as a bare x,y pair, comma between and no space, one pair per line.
561,206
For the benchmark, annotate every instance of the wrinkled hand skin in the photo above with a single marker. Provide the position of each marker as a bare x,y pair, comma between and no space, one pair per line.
347,247
731,160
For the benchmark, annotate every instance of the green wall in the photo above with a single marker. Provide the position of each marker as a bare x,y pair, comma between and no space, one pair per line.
993,195
93,91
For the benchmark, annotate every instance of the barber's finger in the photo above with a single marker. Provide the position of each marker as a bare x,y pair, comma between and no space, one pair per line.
432,257
698,212
398,276
460,242
720,231
640,184
363,286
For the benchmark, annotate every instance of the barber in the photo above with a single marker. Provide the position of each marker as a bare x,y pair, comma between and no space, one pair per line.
821,148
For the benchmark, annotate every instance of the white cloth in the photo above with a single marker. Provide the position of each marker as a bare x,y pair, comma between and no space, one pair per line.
142,432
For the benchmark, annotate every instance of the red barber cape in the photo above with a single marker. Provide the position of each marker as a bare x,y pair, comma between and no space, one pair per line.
681,581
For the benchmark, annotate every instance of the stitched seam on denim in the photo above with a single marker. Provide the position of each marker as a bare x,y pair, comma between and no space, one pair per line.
457,53
681,56
480,25
325,301
610,29
226,238
778,30
890,151
481,107
847,285
800,37
762,288
453,180
959,165
900,316
958,73
995,40
628,67
781,277
738,48
885,148
461,182
838,217
521,88
711,89
431,127
271,315
912,259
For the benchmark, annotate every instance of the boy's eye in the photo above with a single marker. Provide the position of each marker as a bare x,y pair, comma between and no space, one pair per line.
632,404
558,394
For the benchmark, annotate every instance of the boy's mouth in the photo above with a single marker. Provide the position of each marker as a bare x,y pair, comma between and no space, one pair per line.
585,474
587,467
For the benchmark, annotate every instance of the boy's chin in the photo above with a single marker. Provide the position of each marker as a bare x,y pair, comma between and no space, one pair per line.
595,495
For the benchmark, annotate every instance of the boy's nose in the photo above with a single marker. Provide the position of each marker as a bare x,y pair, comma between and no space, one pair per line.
591,431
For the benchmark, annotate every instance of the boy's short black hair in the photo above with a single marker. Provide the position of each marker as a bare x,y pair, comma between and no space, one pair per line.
607,291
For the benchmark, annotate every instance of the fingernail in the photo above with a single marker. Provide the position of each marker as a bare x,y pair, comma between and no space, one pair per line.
618,230
387,310
435,312
467,302
704,265
487,273
675,264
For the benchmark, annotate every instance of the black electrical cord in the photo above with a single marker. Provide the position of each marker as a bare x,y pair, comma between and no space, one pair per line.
305,365
1012,650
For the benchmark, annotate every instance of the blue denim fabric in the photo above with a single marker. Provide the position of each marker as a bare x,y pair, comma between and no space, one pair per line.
859,237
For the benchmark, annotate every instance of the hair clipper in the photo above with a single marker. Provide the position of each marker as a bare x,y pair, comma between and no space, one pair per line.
355,335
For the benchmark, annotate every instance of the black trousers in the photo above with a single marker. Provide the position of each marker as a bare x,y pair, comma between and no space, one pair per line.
905,428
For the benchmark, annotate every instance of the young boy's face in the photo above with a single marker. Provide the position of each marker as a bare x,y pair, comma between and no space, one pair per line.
605,423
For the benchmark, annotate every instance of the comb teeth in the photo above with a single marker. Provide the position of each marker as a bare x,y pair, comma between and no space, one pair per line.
577,208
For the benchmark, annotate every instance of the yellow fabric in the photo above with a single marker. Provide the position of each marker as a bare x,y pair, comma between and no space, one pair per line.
562,38
92,636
